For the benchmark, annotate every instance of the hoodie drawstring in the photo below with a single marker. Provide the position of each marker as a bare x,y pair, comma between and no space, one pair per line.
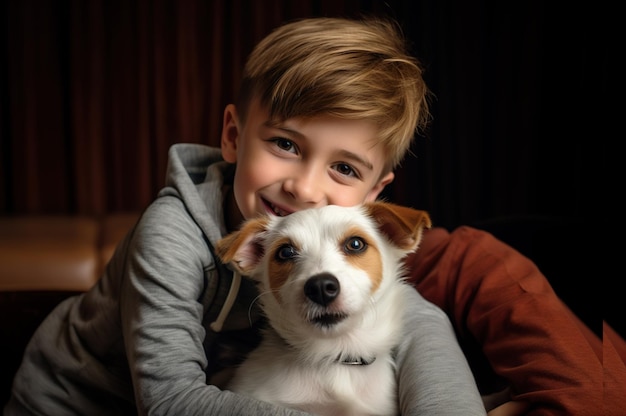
228,303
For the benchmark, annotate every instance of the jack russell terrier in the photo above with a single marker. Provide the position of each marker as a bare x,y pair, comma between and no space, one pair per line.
331,286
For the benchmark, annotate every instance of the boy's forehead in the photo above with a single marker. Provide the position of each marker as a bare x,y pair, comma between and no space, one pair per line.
262,111
296,125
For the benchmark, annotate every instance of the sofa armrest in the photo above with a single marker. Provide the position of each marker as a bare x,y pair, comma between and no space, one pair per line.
43,261
48,253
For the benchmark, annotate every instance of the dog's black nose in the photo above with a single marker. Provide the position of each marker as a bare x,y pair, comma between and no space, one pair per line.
322,288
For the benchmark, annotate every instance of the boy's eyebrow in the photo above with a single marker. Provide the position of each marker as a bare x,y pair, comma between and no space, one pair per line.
357,158
348,155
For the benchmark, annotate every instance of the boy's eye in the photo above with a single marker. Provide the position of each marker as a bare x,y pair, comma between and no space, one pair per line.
345,169
285,144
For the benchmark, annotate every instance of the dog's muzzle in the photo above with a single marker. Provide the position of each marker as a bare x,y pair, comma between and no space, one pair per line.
323,289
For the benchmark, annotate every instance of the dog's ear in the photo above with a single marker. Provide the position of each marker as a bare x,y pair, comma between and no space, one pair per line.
243,249
404,226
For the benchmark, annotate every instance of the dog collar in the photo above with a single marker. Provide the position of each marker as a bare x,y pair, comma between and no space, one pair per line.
356,361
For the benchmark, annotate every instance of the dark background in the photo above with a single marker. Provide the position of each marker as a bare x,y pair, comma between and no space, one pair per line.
94,92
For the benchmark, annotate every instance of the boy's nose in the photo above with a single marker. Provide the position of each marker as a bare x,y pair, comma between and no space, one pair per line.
306,187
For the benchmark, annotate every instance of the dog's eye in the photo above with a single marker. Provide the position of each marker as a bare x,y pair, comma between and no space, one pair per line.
355,245
285,252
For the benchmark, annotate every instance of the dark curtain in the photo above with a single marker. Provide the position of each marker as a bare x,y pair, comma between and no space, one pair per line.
94,93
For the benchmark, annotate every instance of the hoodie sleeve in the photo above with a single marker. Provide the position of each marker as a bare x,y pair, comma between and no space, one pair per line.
515,331
162,320
434,377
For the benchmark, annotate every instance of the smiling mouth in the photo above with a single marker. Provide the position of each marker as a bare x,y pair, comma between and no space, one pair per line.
275,210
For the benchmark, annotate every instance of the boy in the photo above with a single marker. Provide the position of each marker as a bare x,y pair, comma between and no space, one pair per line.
326,111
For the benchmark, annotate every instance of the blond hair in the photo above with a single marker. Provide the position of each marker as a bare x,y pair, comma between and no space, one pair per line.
351,69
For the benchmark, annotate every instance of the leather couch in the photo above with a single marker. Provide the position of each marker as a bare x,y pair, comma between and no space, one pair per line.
43,260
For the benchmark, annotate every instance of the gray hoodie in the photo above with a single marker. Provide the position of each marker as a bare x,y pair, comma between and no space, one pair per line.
153,335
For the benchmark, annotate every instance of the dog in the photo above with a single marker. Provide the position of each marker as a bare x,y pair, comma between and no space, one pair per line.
331,286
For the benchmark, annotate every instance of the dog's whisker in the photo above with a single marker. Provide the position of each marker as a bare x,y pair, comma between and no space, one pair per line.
255,300
250,308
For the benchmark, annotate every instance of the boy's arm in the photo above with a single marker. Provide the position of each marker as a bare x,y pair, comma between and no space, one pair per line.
162,321
433,374
513,328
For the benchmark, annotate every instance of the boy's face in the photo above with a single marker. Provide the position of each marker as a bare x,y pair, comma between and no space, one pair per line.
301,163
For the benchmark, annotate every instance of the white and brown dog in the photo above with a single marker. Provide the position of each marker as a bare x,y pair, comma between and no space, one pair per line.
331,286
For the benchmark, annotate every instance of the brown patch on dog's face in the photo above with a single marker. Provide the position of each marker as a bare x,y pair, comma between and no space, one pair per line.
362,252
281,264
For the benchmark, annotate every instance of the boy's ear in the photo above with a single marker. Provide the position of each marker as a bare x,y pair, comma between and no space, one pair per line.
230,134
378,188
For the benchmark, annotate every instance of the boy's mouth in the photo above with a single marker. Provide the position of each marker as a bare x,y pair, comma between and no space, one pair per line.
276,210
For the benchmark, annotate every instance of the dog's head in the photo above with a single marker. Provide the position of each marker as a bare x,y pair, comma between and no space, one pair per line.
323,268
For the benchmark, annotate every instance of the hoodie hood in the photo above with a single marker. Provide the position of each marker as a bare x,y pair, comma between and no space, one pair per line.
196,174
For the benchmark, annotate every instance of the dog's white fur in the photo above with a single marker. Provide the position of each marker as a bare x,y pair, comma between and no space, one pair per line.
303,360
